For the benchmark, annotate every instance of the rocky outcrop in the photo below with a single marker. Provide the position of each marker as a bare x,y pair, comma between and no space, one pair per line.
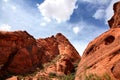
65,47
114,22
55,45
60,56
60,66
19,53
50,47
101,58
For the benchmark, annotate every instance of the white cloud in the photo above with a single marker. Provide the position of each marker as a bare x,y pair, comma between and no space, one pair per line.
5,27
5,0
99,14
47,19
101,2
109,11
42,24
13,8
76,30
60,10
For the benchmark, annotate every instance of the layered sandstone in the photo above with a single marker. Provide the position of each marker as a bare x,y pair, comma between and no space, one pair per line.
101,58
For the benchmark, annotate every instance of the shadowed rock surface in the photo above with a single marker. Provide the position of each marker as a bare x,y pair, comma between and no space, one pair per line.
19,53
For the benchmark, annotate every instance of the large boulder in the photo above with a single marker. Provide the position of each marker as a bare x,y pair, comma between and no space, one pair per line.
19,53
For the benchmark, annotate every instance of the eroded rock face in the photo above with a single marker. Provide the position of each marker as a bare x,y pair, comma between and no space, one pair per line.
64,65
60,66
55,45
19,53
102,56
58,46
65,47
50,48
114,22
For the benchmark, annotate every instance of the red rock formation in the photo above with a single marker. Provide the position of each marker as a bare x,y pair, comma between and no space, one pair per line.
65,47
54,46
115,20
60,56
50,48
102,55
19,53
64,65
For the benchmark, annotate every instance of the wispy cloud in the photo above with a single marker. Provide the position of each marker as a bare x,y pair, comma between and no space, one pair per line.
60,10
76,29
101,2
5,27
99,14
5,0
104,10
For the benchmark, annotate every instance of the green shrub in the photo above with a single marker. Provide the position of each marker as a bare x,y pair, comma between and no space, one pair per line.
43,78
67,77
20,78
92,77
96,77
52,75
106,77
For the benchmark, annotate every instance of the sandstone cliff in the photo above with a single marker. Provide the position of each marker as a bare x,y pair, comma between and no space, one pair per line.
21,54
60,56
101,58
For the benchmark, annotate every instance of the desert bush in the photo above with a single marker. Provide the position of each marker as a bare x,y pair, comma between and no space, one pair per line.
106,77
52,75
67,77
96,77
92,77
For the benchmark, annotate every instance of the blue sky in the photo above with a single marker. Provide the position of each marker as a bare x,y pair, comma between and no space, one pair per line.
79,20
